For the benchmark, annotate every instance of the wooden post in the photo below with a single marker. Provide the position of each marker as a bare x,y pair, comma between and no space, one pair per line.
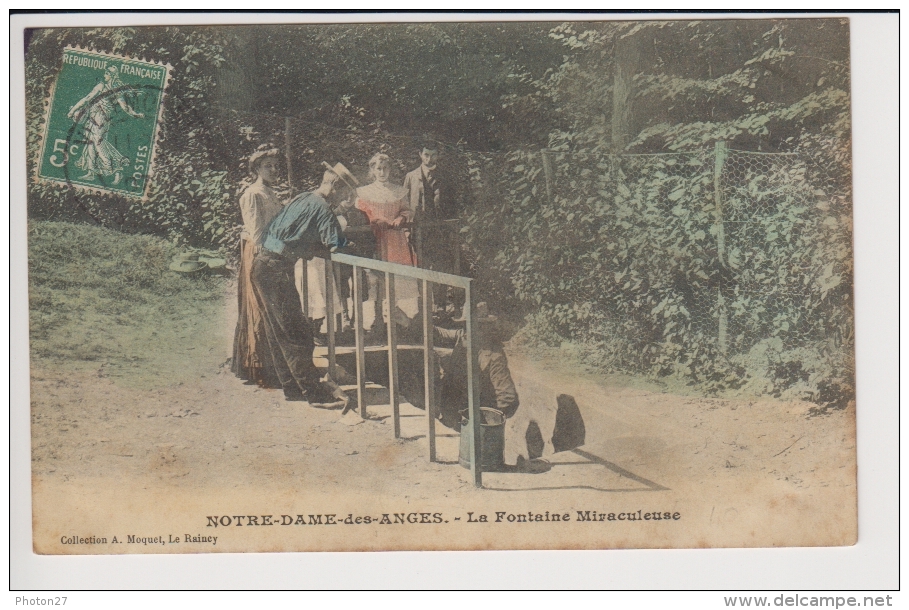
287,156
473,391
392,358
547,173
359,341
420,262
429,372
330,316
454,232
720,154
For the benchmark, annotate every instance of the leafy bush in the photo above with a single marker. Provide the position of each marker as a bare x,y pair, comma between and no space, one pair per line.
629,257
626,255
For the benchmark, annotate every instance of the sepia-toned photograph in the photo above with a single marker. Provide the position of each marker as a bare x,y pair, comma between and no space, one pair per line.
441,286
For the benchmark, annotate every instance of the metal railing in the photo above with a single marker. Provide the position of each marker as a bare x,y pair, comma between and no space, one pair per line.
426,278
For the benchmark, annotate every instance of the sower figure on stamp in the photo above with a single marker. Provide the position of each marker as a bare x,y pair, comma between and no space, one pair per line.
100,156
432,201
306,227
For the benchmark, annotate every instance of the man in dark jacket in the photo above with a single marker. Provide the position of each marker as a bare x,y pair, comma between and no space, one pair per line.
497,389
433,201
306,227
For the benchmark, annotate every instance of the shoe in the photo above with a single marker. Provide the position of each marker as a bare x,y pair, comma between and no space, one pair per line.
534,466
322,394
294,394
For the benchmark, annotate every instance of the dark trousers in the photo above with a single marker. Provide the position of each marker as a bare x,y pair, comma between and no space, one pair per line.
290,339
439,249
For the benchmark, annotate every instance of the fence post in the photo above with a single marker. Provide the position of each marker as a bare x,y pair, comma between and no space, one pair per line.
290,174
720,153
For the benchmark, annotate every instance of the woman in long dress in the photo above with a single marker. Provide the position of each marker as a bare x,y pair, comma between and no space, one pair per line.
388,209
100,156
258,205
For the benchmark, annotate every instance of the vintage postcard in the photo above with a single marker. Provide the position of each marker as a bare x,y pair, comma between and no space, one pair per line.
441,286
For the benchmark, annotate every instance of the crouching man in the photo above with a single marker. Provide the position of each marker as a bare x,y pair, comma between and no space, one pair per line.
305,228
497,390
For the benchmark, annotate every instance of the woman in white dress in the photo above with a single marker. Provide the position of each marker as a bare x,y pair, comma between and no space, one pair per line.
258,205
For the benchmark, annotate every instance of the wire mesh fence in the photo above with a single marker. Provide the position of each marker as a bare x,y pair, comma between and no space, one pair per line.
692,263
715,264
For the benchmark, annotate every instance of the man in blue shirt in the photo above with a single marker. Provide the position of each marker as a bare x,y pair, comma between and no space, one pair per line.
306,227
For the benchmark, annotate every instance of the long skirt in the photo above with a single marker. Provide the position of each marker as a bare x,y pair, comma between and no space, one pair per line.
251,359
288,333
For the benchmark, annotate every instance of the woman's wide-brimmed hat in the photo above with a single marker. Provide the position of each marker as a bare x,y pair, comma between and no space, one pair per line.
343,173
263,151
480,314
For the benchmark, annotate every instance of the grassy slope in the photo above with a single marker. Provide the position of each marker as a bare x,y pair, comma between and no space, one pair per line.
106,301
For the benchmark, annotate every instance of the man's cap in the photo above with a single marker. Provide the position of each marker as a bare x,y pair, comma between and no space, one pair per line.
480,314
343,173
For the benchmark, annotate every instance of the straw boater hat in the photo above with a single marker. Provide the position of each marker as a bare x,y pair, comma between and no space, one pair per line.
187,266
343,173
480,314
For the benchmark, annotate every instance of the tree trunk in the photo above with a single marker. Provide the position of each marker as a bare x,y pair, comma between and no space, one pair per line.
627,60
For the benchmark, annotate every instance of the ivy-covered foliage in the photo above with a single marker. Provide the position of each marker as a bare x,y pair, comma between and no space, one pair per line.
593,198
192,195
351,91
649,271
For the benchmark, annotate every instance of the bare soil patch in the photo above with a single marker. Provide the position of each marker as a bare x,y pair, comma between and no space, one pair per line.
155,435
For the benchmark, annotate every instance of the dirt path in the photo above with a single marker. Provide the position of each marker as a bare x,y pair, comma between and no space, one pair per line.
110,458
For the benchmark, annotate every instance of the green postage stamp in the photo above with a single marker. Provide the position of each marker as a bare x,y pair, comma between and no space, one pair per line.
102,122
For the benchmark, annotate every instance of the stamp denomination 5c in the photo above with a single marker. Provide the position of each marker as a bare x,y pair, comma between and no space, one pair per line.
102,122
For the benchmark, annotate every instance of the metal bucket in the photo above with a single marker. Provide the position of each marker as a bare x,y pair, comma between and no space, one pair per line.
492,440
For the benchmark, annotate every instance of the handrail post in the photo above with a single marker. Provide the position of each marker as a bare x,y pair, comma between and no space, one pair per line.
473,390
393,358
359,341
330,315
427,278
429,371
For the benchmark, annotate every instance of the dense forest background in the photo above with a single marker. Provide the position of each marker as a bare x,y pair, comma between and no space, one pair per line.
588,166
